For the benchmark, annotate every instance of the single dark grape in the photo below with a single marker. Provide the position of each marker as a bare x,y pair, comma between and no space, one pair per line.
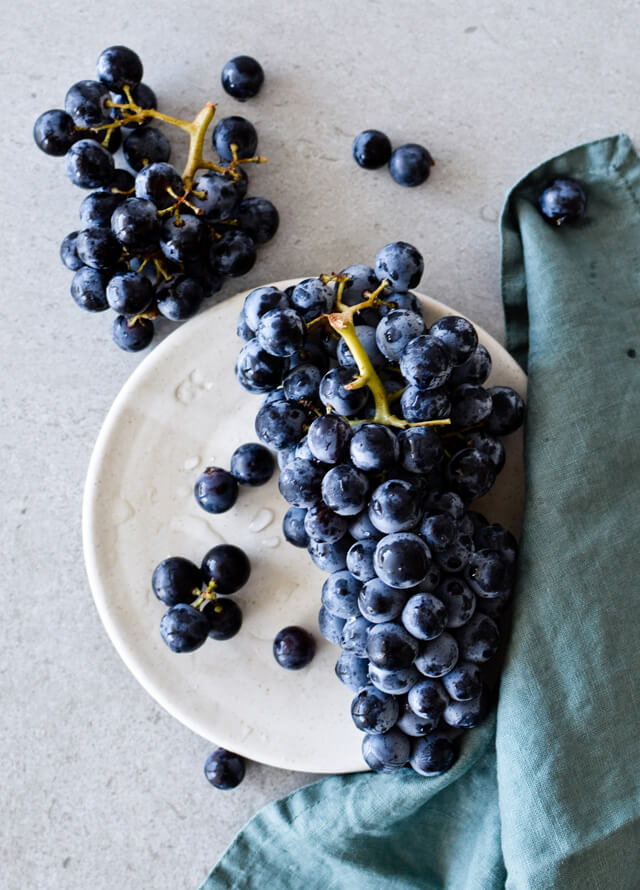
233,254
215,194
302,384
424,404
334,394
54,132
380,603
252,464
227,566
401,263
424,616
351,670
322,524
88,289
132,335
433,754
293,648
425,361
69,253
176,580
146,145
470,405
330,557
464,682
387,752
360,559
155,182
223,769
354,635
437,657
371,149
507,413
410,165
258,218
179,298
458,335
281,332
331,626
216,491
394,507
280,424
396,682
97,209
242,77
328,438
136,225
293,526
86,102
224,617
374,711
184,628
257,370
88,164
396,331
117,67
236,131
391,646
402,560
98,248
340,594
129,293
564,200
345,489
312,297
183,238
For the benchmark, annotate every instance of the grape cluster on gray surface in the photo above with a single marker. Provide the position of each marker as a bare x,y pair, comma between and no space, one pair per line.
153,242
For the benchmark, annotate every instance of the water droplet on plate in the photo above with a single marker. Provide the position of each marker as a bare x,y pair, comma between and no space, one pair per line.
271,543
185,392
122,512
195,528
191,463
262,519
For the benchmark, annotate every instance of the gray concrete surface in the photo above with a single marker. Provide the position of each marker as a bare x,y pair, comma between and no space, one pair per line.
100,788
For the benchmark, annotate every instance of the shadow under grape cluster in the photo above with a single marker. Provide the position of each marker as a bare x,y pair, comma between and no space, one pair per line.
154,242
385,436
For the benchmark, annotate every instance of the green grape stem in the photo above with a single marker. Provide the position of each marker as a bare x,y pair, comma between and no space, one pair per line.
205,596
195,129
342,323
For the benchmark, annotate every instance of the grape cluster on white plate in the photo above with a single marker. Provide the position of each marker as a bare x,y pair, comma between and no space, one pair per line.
154,242
385,436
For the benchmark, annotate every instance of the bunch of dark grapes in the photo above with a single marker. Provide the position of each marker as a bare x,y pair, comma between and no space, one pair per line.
198,597
153,241
385,436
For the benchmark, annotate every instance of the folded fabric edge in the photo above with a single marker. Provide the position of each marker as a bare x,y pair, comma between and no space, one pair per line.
615,151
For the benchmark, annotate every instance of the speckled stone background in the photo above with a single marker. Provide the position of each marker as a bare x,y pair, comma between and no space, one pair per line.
100,788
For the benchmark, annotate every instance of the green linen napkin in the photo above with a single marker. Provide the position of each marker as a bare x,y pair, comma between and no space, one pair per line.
546,793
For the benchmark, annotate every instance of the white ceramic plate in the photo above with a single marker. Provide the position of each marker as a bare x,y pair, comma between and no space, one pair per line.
180,411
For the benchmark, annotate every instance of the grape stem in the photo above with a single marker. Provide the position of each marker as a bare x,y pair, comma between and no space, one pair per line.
205,596
343,324
195,129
